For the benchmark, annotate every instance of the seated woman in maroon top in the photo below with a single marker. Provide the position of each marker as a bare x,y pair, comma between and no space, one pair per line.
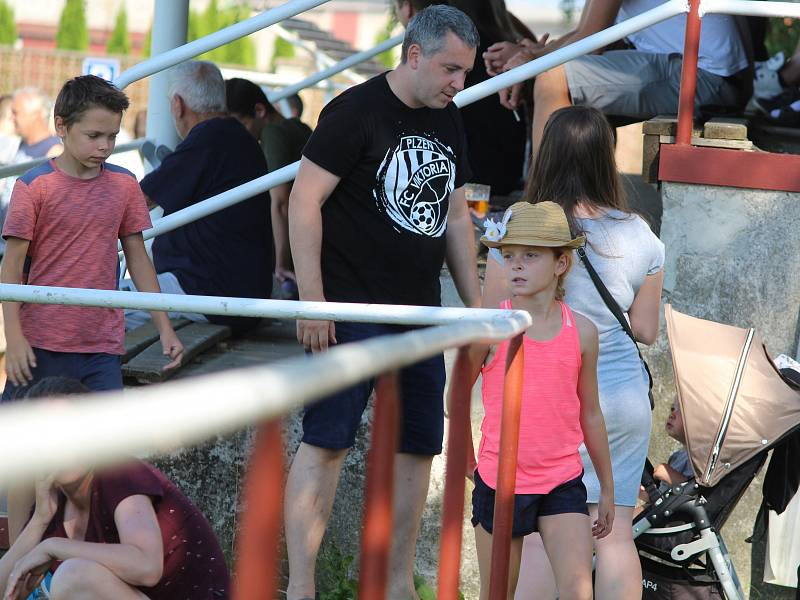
126,533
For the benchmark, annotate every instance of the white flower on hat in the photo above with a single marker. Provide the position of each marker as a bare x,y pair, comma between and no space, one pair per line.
496,231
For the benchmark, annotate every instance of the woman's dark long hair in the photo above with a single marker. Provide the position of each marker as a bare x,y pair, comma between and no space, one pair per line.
490,16
576,165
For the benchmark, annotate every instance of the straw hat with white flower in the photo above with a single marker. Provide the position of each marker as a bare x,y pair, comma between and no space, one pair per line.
526,224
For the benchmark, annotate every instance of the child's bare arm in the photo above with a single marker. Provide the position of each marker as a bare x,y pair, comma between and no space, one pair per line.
594,427
668,475
19,354
144,278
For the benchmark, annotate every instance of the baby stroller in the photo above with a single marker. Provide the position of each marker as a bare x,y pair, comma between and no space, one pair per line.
736,407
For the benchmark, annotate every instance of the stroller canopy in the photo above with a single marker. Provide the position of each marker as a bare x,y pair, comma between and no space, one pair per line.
734,402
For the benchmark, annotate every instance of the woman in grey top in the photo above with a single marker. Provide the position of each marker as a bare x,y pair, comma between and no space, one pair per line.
575,167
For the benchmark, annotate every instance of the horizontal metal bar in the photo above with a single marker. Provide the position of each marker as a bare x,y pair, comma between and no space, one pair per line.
751,8
340,66
223,200
214,40
574,50
104,428
220,201
18,169
248,307
467,96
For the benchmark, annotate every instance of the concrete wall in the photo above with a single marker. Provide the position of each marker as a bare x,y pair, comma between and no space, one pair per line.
730,258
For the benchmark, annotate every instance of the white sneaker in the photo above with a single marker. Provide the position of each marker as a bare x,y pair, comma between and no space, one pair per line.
766,83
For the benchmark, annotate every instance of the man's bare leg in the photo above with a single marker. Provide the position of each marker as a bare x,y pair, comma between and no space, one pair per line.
550,92
310,491
412,474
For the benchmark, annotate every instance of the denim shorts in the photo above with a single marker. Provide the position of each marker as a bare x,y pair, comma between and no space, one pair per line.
569,497
97,371
332,422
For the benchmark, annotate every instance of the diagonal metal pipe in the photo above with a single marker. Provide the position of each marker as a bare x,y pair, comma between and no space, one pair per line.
219,38
463,98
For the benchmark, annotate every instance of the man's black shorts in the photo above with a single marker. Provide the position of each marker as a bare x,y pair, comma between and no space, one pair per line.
332,422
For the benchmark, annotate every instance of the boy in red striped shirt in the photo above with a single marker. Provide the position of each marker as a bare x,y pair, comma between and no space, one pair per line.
62,228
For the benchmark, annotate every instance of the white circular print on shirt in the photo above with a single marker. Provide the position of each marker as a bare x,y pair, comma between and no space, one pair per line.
414,183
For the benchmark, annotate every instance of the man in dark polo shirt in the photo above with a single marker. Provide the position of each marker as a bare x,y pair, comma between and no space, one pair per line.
227,253
376,208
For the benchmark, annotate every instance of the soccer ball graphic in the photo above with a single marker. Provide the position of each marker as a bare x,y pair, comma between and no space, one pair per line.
423,215
414,183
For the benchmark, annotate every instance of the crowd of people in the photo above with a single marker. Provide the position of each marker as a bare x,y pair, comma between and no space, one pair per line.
377,207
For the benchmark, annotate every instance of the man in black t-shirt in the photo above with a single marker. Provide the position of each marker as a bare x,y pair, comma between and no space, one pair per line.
229,252
376,208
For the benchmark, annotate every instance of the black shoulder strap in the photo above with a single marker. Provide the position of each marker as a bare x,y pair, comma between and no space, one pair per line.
605,294
615,309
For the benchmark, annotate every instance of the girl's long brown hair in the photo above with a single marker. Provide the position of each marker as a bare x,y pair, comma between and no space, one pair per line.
576,164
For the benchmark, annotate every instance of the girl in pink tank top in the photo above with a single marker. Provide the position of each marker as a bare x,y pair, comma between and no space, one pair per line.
560,407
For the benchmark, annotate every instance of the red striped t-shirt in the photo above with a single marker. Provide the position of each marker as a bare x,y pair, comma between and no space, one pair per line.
73,226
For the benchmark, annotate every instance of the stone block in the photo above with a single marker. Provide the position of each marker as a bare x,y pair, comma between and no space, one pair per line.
712,143
661,125
725,128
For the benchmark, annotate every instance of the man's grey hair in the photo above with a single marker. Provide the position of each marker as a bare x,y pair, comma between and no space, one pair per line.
200,84
45,104
429,27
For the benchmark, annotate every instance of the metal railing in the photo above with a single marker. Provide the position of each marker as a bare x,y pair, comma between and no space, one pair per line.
463,98
118,424
19,169
151,420
692,47
376,533
219,38
342,65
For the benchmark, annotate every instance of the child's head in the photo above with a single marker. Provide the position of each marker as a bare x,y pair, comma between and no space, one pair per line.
575,162
536,245
88,113
674,424
80,94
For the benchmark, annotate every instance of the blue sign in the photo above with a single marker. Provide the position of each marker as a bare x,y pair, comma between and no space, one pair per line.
105,68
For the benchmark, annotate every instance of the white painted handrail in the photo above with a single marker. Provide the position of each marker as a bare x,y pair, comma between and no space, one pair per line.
247,307
342,65
575,49
751,8
214,40
18,169
104,428
220,201
152,420
463,98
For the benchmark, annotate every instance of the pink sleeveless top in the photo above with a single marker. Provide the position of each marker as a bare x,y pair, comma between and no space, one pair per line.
550,429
